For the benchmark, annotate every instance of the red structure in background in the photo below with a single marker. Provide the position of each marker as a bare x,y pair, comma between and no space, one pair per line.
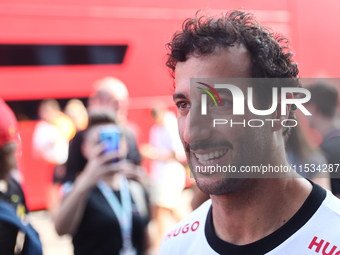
145,26
37,174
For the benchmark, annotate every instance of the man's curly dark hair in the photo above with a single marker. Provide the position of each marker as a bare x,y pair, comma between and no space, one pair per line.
270,55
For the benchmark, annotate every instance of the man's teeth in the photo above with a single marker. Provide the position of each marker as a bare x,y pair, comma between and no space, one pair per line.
206,159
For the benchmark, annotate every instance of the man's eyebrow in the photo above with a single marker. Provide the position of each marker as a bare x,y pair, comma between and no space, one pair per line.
179,95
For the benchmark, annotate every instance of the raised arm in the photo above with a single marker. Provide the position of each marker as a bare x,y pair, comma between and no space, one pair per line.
73,206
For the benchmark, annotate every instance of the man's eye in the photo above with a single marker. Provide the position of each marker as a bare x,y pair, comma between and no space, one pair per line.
182,105
226,102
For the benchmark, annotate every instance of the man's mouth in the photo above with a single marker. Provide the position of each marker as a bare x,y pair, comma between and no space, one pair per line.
209,158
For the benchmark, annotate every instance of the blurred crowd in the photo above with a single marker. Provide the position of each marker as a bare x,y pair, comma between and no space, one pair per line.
105,198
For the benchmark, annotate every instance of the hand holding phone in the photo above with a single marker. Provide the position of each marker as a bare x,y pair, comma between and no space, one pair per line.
110,135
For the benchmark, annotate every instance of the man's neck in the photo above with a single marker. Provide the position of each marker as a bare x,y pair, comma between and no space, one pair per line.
246,217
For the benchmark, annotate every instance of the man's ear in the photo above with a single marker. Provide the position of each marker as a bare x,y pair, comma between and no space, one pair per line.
278,113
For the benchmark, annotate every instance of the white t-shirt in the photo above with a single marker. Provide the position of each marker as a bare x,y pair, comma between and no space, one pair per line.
314,229
47,142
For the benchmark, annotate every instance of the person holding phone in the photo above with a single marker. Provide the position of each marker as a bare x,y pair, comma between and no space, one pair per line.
103,211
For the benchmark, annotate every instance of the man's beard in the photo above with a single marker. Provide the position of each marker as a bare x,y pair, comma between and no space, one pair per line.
210,185
220,186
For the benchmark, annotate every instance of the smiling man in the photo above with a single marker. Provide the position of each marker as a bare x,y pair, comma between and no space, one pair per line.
282,215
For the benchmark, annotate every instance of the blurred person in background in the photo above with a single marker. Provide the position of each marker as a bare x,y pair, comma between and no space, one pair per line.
109,95
77,112
300,152
16,234
103,211
322,106
113,93
167,174
50,141
52,133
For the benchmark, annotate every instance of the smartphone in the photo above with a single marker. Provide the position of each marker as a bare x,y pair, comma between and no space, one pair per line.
110,135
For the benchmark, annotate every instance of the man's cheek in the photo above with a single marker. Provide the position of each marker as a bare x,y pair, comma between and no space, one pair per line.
181,127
